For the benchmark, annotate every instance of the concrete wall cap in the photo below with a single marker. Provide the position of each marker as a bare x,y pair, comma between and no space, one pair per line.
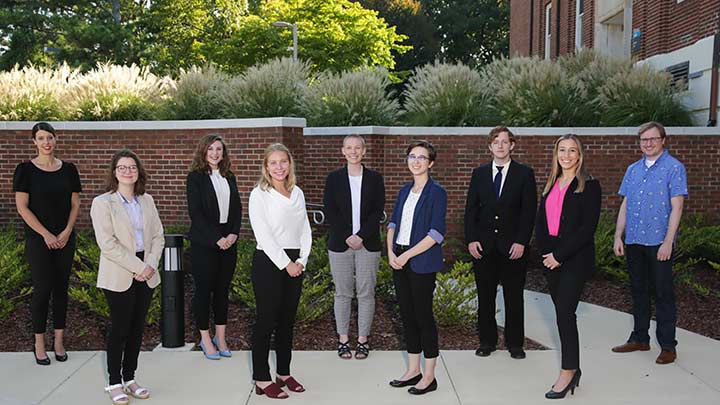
474,131
162,125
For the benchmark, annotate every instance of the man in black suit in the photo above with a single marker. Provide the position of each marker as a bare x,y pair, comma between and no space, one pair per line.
499,218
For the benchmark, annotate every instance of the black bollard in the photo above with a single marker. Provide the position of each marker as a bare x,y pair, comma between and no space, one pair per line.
172,325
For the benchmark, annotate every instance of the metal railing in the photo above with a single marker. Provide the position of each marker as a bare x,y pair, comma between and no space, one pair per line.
318,216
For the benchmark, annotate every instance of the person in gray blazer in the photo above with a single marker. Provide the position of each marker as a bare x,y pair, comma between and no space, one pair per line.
130,236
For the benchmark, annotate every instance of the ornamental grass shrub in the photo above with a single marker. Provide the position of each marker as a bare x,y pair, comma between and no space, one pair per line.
350,98
272,89
118,93
35,94
455,300
442,94
196,94
642,94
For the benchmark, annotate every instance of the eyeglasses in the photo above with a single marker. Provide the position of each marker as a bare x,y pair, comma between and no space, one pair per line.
654,139
419,158
125,169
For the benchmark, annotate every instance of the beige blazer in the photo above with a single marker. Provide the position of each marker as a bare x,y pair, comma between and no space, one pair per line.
116,239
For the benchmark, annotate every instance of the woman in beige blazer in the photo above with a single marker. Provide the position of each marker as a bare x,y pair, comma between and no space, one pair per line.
130,236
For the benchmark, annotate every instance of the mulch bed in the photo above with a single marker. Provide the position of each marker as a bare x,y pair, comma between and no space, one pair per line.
86,331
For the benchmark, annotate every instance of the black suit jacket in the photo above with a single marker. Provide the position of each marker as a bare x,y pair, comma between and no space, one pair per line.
204,212
338,209
498,223
574,247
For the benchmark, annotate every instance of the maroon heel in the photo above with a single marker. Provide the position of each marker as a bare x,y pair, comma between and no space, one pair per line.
292,384
272,391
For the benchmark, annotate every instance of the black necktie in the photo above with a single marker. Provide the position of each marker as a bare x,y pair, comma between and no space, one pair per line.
497,182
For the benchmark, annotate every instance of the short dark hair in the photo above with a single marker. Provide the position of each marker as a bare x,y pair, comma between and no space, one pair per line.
495,132
425,144
111,182
650,125
42,126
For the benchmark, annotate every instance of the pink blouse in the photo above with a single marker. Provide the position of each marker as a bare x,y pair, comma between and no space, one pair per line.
553,208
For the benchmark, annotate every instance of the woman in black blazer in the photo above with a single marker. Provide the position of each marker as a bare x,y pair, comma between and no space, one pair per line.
215,215
564,231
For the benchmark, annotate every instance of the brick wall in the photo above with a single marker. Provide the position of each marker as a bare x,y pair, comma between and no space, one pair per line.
520,27
167,154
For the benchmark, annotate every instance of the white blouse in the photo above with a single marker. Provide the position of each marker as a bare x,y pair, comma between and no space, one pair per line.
408,213
280,223
355,191
222,192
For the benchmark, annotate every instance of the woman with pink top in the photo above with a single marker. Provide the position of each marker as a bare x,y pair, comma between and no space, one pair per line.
565,235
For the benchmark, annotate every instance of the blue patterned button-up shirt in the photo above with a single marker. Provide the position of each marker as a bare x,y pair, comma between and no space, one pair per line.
648,191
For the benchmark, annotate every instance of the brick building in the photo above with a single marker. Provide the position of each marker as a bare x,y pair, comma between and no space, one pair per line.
680,36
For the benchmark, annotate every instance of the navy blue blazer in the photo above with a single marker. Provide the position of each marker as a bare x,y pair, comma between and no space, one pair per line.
428,220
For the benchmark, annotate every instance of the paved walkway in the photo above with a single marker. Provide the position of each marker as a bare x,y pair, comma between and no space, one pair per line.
608,378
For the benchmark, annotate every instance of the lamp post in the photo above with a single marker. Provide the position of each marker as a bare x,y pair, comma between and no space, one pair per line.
284,24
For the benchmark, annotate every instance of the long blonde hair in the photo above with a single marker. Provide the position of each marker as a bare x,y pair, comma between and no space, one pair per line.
265,181
581,173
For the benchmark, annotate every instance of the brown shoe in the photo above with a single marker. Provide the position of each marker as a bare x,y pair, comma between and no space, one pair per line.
631,347
666,357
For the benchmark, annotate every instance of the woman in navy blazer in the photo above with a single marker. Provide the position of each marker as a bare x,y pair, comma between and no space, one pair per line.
215,214
415,232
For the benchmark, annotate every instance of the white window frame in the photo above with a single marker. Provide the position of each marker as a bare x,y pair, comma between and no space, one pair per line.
578,24
548,31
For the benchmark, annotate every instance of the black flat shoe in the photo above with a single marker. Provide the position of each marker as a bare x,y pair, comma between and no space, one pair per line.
405,383
61,357
484,351
41,362
429,388
574,382
517,353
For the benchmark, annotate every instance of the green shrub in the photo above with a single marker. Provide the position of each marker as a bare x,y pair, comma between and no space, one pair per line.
541,93
196,94
441,94
350,98
35,94
317,293
83,283
605,260
273,89
118,93
455,301
641,95
13,270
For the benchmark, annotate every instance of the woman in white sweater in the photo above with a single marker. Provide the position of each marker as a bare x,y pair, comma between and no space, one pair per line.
282,230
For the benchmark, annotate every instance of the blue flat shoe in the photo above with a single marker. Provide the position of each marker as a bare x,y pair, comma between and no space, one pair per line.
215,356
223,353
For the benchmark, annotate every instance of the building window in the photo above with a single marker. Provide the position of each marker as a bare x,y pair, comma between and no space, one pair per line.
548,31
579,11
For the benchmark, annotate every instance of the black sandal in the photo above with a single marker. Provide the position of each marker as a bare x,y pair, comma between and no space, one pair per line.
344,350
362,351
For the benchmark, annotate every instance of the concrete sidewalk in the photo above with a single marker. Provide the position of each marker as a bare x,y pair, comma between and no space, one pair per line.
608,378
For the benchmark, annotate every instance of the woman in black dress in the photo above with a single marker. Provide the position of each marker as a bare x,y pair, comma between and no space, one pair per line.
48,200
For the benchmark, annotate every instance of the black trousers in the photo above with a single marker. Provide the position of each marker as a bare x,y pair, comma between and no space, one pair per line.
276,300
649,276
50,272
566,285
415,295
212,270
127,316
493,268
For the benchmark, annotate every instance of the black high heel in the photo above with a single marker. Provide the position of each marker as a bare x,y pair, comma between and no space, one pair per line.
574,382
40,362
61,357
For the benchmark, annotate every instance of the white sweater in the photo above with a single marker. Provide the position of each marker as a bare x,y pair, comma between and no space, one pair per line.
280,223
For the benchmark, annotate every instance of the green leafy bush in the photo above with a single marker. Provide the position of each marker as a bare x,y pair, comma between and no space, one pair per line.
350,98
83,283
455,301
605,260
273,89
121,93
196,94
35,94
443,94
14,271
640,95
317,292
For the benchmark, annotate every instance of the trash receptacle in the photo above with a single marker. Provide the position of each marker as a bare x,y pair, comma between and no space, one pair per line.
172,324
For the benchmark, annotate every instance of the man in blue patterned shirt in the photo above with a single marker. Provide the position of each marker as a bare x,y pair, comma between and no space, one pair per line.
653,189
